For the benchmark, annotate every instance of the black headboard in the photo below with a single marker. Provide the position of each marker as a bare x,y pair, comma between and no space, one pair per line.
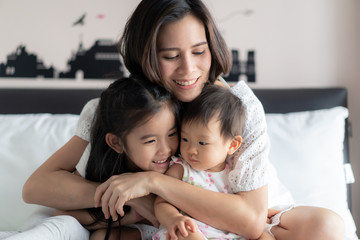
293,100
56,101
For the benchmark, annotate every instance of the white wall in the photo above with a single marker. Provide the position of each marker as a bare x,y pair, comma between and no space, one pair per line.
301,43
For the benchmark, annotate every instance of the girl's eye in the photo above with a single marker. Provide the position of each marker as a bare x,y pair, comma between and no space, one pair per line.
172,134
150,141
203,143
185,139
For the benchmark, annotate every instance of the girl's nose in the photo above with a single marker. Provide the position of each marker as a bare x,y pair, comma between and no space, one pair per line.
165,148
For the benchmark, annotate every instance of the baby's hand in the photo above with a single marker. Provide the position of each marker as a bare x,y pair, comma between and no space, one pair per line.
181,224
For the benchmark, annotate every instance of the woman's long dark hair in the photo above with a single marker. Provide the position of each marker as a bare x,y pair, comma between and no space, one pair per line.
126,104
138,44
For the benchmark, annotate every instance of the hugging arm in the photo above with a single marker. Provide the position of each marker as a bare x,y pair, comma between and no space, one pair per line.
243,213
53,184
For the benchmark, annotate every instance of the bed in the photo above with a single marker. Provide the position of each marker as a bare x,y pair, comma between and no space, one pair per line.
35,122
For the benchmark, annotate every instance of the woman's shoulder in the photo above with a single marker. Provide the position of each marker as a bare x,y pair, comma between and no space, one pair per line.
86,118
91,104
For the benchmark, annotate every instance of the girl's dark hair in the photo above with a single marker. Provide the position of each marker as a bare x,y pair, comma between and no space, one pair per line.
126,104
219,102
138,45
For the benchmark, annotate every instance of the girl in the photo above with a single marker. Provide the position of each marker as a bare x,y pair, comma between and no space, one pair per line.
175,43
135,129
211,130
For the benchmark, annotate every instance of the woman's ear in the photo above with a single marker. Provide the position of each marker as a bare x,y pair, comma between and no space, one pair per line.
234,144
114,142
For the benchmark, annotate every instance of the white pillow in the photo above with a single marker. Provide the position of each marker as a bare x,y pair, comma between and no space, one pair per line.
26,142
307,152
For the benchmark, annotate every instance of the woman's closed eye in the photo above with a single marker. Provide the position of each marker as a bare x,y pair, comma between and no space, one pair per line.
171,57
199,52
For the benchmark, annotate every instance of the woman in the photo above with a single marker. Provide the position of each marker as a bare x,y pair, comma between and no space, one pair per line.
176,43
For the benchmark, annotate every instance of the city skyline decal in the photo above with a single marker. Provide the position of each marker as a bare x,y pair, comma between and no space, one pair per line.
101,61
55,42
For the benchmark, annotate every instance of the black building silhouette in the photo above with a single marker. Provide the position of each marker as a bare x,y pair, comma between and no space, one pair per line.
238,68
102,60
24,65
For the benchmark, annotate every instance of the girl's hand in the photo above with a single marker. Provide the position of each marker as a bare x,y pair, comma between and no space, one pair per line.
183,224
118,189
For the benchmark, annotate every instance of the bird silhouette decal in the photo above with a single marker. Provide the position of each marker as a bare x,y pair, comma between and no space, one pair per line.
80,21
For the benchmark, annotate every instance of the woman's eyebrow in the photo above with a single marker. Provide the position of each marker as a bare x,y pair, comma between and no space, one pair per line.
176,49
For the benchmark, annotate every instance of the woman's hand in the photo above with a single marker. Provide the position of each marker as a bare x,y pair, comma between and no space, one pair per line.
119,189
182,224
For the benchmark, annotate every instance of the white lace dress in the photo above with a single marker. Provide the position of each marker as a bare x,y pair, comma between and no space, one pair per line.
250,167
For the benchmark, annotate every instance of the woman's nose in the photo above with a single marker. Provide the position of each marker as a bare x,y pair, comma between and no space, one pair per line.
186,64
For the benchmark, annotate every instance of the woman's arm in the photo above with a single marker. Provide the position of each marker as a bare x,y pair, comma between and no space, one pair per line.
53,184
244,213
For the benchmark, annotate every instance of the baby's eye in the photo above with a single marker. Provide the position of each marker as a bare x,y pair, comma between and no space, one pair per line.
185,139
203,143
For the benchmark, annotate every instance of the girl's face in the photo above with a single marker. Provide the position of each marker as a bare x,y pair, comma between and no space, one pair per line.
184,57
151,145
203,147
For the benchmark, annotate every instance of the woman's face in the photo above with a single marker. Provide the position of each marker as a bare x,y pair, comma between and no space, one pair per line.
184,57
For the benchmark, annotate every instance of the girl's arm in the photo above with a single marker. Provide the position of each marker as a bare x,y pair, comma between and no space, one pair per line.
53,184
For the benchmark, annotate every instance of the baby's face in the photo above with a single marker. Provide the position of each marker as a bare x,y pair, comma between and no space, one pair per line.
203,147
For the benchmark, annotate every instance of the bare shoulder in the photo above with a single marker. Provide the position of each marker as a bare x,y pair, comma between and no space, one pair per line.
176,171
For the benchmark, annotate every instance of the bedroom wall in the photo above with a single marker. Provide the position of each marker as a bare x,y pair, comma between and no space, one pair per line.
297,43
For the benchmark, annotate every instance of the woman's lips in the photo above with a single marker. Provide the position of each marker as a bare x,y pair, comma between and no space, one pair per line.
186,83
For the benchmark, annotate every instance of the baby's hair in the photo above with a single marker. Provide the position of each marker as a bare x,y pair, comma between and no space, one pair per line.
126,104
219,102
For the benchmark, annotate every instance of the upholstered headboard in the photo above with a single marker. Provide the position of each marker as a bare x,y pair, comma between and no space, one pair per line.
56,101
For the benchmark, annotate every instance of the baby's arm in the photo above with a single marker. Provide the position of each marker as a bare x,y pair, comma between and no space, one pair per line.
169,216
